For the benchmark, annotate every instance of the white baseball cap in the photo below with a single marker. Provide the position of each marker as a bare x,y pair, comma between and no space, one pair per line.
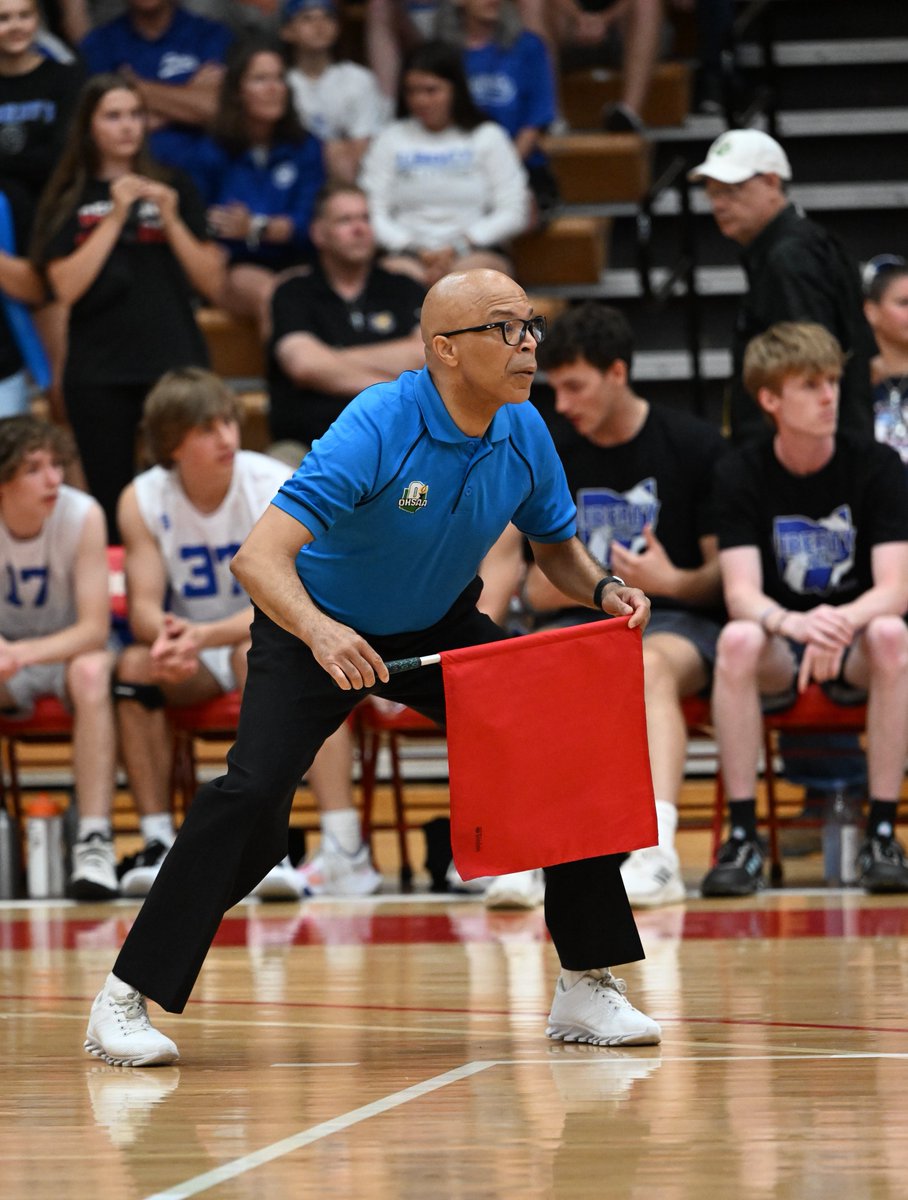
740,154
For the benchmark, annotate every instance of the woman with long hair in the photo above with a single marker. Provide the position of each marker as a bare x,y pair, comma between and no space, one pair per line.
259,173
886,309
446,187
123,243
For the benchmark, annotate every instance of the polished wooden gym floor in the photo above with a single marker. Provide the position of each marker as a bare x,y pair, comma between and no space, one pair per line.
394,1048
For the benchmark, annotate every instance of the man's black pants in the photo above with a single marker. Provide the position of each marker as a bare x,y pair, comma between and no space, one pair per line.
236,827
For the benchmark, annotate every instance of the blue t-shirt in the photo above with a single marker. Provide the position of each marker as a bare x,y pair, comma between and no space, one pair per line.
282,184
404,506
514,85
187,44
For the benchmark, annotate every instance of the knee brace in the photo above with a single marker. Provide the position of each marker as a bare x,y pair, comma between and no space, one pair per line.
149,695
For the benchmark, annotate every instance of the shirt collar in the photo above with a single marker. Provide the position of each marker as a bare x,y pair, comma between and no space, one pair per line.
441,425
784,220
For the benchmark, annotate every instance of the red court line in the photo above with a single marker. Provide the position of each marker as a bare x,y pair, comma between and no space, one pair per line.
35,930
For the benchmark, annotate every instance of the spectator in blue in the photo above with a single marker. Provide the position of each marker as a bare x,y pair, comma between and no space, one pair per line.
259,173
511,79
176,62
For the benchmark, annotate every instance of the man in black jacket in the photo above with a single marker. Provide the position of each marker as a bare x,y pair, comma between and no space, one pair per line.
796,270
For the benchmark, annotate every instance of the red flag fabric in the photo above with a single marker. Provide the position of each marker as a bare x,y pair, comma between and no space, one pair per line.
547,750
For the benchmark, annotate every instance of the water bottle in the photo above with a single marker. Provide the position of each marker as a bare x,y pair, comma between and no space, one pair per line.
46,876
9,856
841,839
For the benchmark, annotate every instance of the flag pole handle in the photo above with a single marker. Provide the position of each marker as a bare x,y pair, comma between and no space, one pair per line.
397,665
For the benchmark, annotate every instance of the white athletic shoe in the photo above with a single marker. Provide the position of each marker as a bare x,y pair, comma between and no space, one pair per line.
141,870
281,883
524,889
653,877
94,869
477,886
120,1032
596,1010
332,872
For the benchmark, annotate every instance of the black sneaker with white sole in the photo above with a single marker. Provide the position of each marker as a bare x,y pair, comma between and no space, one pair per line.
882,866
738,870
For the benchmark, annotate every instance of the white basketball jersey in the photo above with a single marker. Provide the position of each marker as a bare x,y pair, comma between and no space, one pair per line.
37,588
197,547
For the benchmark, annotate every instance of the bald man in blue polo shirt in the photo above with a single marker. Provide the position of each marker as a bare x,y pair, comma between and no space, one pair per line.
367,554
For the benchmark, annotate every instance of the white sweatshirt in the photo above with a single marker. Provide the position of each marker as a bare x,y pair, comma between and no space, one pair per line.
426,189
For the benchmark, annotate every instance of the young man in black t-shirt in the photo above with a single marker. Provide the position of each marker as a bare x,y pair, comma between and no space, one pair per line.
813,536
346,325
641,476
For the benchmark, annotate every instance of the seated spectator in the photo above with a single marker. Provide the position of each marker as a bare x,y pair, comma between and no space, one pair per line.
340,102
446,187
343,327
37,98
176,62
54,626
182,522
511,79
641,477
813,536
886,309
393,28
21,286
635,24
123,243
259,173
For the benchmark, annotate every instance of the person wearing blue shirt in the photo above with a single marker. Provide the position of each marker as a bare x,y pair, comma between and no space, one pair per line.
176,61
370,553
259,173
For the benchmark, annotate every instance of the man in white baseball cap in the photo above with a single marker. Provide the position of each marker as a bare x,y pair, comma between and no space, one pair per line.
796,270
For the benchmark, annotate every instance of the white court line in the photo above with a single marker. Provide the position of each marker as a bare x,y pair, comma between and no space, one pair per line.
239,1166
680,1058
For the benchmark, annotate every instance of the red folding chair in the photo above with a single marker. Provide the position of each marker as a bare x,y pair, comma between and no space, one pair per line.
211,721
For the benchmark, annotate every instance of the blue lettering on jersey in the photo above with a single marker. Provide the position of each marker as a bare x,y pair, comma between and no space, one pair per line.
202,562
27,585
434,160
813,556
17,112
605,516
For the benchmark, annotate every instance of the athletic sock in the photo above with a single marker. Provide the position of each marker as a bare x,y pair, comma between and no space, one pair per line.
667,823
158,827
742,816
881,818
569,978
343,826
90,825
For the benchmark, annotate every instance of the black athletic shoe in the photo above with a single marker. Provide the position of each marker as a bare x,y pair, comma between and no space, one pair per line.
881,866
738,870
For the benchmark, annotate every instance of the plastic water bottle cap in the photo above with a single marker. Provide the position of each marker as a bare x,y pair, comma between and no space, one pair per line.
43,806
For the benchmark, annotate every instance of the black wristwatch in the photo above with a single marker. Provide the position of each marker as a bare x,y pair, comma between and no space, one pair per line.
602,585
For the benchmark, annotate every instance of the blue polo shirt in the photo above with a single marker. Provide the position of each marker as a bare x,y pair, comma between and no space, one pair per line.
187,44
404,506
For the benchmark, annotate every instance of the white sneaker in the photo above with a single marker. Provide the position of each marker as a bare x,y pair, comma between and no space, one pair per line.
477,886
596,1010
140,871
653,877
94,869
332,872
120,1032
524,889
281,883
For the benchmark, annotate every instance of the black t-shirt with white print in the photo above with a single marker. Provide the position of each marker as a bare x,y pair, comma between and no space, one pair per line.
815,533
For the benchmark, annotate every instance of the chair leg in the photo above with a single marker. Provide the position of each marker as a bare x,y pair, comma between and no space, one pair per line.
718,815
368,741
776,872
400,818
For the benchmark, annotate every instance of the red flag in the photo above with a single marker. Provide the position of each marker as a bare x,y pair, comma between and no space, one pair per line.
547,749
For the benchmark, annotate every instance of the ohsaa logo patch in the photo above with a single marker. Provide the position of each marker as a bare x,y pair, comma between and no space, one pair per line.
415,497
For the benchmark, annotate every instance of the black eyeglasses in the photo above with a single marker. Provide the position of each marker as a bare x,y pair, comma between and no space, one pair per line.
512,332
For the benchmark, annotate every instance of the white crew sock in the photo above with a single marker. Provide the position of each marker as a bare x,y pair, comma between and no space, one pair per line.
667,823
158,827
569,978
90,825
343,827
115,986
